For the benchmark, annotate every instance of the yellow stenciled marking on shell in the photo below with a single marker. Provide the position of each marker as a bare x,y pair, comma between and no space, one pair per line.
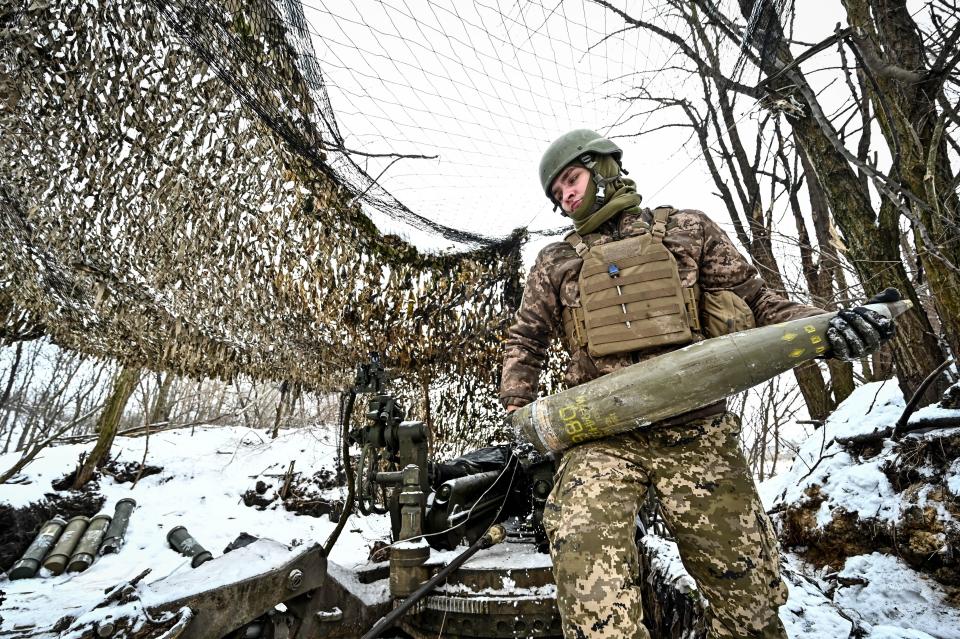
577,422
568,414
789,337
821,350
797,352
810,328
815,339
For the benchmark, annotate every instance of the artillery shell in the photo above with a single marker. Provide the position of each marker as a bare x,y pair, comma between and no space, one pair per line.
29,564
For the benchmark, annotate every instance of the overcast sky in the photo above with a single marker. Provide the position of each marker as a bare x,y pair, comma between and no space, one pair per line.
487,85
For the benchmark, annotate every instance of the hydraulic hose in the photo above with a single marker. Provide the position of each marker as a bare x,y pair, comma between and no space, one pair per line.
345,414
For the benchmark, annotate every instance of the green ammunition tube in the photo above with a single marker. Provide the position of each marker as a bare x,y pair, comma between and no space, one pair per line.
60,555
114,536
89,544
28,566
678,382
184,543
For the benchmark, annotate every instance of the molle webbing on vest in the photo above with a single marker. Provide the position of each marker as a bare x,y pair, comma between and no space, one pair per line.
636,260
600,284
630,294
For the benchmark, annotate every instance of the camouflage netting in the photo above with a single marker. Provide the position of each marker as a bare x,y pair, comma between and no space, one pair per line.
173,193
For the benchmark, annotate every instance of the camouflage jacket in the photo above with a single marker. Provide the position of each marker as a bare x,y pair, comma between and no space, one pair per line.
705,256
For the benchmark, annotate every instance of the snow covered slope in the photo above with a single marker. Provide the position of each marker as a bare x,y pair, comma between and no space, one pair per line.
206,472
877,518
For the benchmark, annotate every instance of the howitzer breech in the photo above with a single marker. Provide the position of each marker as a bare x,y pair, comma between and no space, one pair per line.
678,382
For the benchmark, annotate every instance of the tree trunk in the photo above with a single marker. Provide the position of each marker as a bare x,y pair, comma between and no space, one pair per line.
109,423
841,379
873,240
160,411
829,270
284,390
904,95
814,390
21,395
13,375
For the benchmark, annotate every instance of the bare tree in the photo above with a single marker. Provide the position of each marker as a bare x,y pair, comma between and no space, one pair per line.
108,423
738,167
79,399
907,71
764,412
843,179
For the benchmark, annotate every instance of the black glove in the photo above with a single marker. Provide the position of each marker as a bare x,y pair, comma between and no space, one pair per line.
857,332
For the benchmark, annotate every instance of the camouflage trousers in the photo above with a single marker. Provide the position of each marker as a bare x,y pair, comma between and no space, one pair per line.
710,504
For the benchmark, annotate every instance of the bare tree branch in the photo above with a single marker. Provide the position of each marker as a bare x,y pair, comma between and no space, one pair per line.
943,65
702,65
876,64
30,454
837,36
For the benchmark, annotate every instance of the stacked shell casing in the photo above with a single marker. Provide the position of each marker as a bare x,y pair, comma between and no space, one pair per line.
74,545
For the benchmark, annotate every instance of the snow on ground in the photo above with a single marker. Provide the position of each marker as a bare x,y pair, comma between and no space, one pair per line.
870,407
205,473
953,478
894,601
886,599
809,613
894,596
857,486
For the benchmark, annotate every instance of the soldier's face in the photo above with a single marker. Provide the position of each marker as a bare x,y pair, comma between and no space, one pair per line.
569,187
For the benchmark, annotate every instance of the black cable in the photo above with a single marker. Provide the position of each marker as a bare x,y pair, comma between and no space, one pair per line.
485,541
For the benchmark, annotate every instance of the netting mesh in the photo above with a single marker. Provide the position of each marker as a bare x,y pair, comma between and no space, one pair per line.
174,193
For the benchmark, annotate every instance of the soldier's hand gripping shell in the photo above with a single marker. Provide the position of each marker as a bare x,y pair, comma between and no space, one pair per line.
521,444
858,332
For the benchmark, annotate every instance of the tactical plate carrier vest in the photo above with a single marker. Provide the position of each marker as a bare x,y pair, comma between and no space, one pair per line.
631,297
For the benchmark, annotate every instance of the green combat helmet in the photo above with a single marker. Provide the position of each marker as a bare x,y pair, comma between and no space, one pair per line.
569,147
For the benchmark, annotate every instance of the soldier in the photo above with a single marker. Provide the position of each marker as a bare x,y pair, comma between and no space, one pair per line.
653,301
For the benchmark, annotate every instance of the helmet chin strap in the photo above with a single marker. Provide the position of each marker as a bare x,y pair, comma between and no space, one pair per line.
587,159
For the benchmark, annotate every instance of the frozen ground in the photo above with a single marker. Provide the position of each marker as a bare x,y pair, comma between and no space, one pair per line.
856,487
206,472
204,476
887,598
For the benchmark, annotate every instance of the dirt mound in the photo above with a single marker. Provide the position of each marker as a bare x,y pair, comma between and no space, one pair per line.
304,495
121,472
925,532
129,472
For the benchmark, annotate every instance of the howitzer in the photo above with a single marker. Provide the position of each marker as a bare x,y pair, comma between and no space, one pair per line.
678,382
482,589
